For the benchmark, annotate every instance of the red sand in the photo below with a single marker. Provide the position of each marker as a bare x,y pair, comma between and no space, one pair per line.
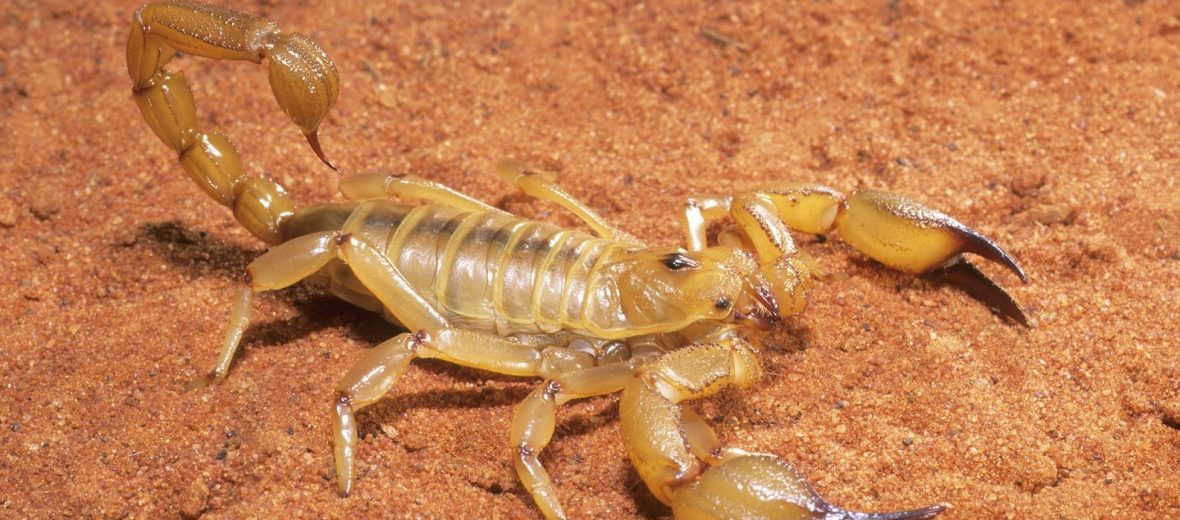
1051,127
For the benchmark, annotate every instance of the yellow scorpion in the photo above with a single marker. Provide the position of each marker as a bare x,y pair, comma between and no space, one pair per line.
591,314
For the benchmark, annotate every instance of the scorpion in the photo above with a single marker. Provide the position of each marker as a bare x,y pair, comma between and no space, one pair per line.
589,313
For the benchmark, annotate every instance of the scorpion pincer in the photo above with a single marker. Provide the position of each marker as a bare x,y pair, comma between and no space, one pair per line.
589,313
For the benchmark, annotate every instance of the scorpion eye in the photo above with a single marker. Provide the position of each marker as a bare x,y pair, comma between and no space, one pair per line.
722,304
677,261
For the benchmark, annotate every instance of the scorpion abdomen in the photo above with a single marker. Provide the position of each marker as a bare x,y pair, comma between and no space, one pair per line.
485,271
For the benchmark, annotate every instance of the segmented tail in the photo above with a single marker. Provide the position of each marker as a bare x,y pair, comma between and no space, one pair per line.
302,77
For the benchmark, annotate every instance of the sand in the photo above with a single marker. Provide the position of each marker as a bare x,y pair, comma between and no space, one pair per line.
1053,127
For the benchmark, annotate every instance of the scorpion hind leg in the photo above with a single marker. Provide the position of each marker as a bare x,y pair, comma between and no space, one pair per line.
282,266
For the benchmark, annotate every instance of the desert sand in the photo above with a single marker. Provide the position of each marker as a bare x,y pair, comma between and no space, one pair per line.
1052,127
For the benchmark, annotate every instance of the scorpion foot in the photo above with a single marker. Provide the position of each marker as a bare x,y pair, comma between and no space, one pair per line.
203,381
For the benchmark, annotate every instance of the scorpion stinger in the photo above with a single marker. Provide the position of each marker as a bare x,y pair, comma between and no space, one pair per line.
313,139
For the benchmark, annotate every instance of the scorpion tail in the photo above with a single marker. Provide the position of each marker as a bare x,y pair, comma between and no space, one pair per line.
302,78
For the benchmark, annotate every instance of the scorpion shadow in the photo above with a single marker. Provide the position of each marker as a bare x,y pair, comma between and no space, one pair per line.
201,255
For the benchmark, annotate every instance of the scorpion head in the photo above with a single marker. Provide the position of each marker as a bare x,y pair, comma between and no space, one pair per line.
673,288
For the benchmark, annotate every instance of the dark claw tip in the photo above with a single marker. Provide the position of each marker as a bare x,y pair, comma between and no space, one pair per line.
973,242
313,139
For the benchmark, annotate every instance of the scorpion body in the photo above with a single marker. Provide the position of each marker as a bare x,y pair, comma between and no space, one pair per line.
491,271
591,313
482,270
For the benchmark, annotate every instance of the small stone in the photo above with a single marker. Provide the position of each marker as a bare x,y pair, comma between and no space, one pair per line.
7,213
389,430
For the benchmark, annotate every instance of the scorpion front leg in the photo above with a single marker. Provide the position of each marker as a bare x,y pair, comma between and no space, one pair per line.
536,417
894,230
679,458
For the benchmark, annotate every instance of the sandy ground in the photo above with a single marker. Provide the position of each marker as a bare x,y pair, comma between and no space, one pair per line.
1052,127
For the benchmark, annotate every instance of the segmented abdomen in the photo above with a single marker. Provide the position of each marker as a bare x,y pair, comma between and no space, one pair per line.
490,271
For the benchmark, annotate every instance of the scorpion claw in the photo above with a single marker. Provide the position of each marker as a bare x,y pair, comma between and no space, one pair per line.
907,236
764,486
313,139
973,242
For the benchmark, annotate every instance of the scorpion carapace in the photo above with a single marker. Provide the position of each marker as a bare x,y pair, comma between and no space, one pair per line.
591,314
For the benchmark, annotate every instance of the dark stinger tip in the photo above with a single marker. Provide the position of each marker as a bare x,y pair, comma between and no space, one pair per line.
313,139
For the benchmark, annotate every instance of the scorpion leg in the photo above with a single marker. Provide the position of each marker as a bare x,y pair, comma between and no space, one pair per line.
698,211
280,267
540,184
535,420
535,417
376,373
368,186
296,259
374,270
678,456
